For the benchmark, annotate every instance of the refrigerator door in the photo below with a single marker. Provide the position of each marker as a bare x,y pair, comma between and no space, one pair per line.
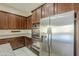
62,40
44,25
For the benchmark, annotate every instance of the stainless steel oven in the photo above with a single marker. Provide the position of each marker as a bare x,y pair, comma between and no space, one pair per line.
36,36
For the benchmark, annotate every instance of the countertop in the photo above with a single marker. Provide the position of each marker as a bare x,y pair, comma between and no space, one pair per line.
9,34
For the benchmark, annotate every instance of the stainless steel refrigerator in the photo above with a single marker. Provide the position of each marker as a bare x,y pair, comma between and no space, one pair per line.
57,35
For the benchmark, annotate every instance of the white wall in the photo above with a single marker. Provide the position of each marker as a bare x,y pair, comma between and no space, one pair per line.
12,10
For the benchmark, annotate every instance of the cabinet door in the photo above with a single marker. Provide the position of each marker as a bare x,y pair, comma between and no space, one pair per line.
17,42
34,17
38,15
3,20
12,21
28,42
48,10
64,7
51,9
18,22
21,22
24,23
29,22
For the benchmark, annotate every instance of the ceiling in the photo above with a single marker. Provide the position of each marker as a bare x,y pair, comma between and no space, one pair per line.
24,7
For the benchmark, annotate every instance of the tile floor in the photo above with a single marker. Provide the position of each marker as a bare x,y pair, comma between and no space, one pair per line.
23,52
6,50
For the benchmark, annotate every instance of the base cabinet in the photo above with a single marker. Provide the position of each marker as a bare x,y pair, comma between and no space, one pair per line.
4,41
28,42
17,42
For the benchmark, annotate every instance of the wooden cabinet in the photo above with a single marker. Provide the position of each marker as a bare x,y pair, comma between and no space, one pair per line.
21,22
56,8
4,41
28,41
64,7
36,15
45,11
48,10
17,42
3,20
24,23
29,22
12,21
18,21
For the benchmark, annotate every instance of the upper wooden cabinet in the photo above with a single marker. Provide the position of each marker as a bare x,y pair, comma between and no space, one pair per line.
21,22
48,10
64,7
56,8
29,22
12,21
24,22
3,20
36,15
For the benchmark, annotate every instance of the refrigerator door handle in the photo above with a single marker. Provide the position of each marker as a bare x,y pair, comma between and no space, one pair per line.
51,44
42,38
48,45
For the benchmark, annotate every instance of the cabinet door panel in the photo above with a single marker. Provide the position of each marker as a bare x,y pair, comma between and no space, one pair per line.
64,7
34,17
3,20
38,15
48,10
17,42
28,42
18,22
12,21
45,11
24,23
51,9
29,22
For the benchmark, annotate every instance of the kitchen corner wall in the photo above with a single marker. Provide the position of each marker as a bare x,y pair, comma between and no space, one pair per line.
12,10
